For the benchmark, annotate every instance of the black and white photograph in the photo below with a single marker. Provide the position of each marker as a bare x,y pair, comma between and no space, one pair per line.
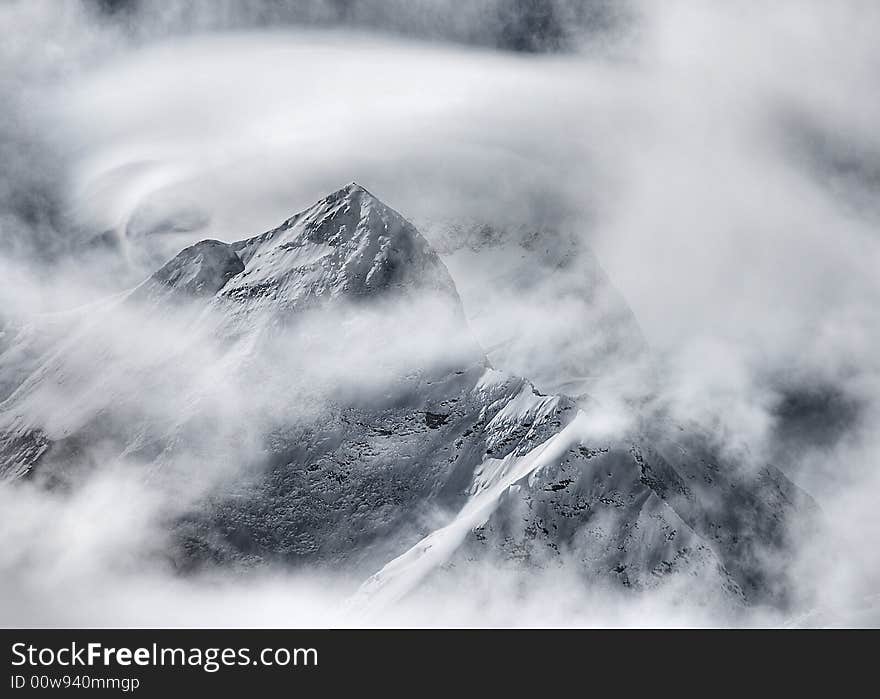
438,315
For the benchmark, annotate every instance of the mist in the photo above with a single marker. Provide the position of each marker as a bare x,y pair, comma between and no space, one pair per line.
720,161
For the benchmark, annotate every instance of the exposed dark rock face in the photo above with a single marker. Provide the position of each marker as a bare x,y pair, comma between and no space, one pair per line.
435,420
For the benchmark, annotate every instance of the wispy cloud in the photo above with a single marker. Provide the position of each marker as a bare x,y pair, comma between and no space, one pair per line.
720,159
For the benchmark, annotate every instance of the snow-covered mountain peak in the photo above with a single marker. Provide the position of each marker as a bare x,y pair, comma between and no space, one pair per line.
197,271
329,393
348,243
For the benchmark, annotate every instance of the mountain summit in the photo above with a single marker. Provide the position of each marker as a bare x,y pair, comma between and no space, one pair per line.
348,243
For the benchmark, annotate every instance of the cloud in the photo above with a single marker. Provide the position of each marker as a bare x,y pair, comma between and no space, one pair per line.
720,159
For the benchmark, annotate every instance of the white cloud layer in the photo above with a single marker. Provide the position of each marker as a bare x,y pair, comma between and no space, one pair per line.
721,159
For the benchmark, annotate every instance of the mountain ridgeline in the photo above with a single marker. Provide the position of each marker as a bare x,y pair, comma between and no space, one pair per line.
315,397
